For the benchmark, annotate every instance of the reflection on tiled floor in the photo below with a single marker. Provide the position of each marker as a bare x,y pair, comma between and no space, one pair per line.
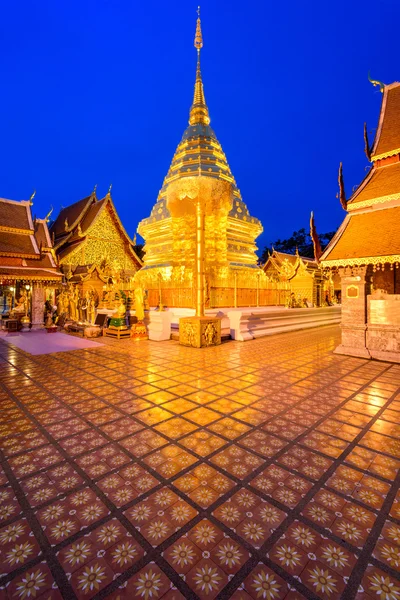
262,470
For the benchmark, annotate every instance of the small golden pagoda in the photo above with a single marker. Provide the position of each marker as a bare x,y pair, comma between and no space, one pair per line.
200,172
304,276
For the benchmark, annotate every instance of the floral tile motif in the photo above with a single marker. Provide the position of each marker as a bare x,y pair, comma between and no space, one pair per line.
82,442
121,428
204,485
160,515
17,545
378,584
69,515
143,442
205,464
202,442
35,582
9,505
175,428
170,460
263,443
264,583
202,416
387,548
236,461
206,579
127,484
322,580
150,583
229,428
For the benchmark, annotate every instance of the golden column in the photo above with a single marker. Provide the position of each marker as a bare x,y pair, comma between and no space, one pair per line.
200,220
198,331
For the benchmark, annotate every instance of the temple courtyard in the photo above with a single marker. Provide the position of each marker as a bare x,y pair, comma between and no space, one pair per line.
264,470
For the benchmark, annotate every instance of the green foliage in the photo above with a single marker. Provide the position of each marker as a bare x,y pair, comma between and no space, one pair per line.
301,240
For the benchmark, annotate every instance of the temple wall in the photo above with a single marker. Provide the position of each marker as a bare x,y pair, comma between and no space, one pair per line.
384,279
355,287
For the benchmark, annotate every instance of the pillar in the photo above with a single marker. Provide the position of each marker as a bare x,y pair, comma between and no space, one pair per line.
355,287
37,306
200,242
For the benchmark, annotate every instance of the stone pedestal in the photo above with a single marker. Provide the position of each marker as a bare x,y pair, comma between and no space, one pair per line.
37,306
159,327
139,331
355,288
200,332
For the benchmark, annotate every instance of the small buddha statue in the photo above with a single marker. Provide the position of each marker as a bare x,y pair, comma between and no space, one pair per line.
139,304
119,316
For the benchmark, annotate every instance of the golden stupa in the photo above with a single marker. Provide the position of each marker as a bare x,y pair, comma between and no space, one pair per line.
200,172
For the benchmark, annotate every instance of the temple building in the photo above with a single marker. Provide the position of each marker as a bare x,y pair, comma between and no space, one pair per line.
366,248
200,170
96,256
307,283
28,267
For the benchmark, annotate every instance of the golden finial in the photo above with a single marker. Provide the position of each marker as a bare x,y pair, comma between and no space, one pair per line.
198,38
66,224
47,217
199,110
32,196
376,83
94,190
134,240
109,189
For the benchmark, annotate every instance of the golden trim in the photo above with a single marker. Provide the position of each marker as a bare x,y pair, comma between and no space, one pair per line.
354,204
16,230
358,262
385,154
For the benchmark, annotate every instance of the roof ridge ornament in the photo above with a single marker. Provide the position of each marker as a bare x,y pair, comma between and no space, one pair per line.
376,83
47,217
32,197
342,194
367,148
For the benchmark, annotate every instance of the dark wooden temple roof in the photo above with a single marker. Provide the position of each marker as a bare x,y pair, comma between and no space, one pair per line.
357,237
387,140
25,244
15,215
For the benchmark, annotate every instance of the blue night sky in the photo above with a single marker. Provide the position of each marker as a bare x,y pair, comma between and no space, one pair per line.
98,91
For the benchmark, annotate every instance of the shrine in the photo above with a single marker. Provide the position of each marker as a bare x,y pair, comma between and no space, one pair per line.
199,175
308,284
366,248
29,275
97,258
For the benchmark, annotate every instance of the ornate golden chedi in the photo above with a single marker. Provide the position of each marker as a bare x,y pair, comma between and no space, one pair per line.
199,173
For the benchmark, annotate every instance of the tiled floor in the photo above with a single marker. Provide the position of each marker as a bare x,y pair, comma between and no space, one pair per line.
262,470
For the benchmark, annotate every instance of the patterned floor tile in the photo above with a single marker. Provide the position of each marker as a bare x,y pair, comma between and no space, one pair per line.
262,470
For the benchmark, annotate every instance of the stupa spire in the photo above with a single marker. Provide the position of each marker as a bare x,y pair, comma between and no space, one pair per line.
199,110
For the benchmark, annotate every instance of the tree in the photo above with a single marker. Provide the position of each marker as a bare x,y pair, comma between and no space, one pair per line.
301,240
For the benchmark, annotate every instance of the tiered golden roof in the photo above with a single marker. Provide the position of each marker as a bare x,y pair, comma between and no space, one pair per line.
90,231
370,233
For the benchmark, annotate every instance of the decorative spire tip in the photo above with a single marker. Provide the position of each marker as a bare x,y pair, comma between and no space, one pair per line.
198,38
